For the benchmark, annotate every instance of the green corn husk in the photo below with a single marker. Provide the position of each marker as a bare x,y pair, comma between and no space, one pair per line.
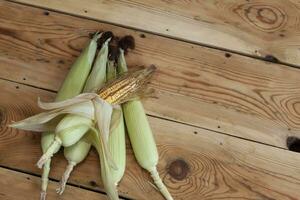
77,152
74,154
140,135
77,77
71,87
116,142
95,106
117,148
98,75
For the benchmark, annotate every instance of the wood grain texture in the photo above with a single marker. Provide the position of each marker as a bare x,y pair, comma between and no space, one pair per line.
207,88
211,166
261,28
19,186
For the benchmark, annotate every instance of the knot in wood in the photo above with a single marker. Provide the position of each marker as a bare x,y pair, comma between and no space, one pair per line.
2,116
293,144
262,16
178,169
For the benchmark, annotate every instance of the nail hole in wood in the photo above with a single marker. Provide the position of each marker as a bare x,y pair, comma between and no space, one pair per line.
219,126
167,29
271,58
46,13
85,11
61,61
17,87
227,55
293,144
24,79
93,183
195,132
142,35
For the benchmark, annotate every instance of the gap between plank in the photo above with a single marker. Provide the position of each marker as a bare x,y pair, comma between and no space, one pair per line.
29,85
163,118
266,59
219,132
57,181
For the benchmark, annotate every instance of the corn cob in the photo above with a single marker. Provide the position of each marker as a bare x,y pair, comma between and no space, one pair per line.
116,142
90,106
78,151
71,87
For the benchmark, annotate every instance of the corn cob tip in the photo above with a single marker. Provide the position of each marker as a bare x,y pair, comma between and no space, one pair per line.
95,35
104,37
127,42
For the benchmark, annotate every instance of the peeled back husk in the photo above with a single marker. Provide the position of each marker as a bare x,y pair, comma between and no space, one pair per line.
106,170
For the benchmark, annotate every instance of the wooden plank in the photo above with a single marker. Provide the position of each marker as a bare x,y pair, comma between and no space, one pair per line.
259,28
208,88
194,163
19,186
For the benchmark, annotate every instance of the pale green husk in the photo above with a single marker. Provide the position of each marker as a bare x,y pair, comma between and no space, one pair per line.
140,135
77,152
71,87
116,142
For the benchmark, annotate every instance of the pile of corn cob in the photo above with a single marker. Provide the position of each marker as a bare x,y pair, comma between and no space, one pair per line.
96,117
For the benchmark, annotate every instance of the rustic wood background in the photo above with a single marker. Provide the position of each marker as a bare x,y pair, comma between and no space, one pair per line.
227,94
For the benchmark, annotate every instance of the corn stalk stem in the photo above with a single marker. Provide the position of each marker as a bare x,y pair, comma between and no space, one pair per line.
160,185
65,177
46,170
49,153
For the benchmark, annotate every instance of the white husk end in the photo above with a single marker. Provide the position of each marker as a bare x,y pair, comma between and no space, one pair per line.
65,178
160,185
43,195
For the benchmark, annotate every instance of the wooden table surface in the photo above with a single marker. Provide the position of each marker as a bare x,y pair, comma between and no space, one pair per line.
227,86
